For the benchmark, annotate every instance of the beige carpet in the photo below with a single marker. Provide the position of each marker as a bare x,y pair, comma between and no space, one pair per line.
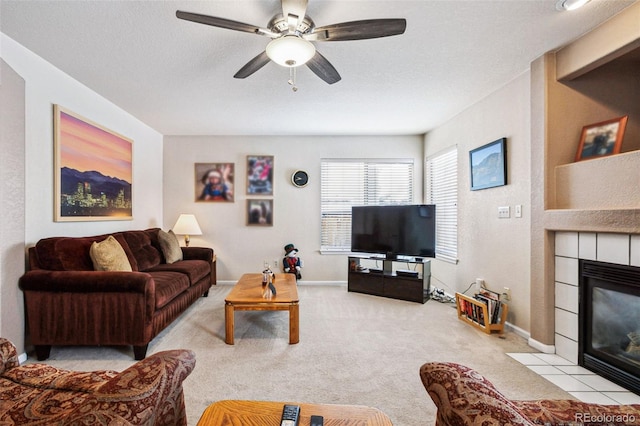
354,349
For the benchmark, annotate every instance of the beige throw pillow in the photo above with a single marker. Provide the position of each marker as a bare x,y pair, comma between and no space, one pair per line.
108,255
170,246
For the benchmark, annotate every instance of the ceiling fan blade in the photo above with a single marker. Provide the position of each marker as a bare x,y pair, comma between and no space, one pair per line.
359,30
253,65
323,69
223,23
294,12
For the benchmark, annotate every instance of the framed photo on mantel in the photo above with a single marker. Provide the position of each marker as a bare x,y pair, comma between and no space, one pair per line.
601,139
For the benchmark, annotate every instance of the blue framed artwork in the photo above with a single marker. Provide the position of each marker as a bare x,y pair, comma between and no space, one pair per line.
489,165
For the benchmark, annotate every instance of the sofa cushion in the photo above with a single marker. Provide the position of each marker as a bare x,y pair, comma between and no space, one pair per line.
170,246
72,253
108,255
147,254
168,286
194,269
48,377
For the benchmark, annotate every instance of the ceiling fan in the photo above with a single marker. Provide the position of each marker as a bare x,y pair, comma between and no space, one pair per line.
292,32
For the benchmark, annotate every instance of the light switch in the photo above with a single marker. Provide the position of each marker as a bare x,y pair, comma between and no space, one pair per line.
504,212
518,210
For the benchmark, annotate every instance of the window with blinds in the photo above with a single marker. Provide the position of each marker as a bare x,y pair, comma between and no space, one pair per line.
441,189
358,182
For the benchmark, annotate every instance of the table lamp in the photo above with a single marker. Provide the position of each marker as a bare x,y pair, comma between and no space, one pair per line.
187,225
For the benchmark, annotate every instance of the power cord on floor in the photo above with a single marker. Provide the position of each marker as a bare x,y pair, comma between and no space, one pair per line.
439,295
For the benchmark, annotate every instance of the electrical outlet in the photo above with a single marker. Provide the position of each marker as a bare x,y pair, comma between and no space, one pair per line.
479,284
504,212
275,263
507,293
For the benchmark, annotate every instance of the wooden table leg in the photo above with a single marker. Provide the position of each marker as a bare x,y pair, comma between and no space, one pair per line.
228,323
294,323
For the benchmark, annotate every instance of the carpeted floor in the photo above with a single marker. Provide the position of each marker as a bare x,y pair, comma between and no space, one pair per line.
354,349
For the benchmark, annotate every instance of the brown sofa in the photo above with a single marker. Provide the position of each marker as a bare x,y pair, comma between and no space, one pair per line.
70,303
147,393
464,397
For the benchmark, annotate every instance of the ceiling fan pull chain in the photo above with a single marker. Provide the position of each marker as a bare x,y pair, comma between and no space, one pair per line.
292,79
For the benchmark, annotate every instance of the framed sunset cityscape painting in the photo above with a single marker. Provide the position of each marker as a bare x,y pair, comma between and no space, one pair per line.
93,170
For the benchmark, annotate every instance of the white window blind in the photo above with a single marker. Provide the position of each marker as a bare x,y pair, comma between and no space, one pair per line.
441,189
358,182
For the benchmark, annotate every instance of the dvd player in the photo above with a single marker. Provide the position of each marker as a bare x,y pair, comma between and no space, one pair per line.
407,273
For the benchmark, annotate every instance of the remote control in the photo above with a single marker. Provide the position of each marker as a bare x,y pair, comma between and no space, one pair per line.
290,415
317,421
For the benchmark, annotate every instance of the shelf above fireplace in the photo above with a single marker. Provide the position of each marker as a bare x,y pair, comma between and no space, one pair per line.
599,195
625,221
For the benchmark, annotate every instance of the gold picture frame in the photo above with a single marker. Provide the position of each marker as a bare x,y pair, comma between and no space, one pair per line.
93,168
214,182
259,212
260,175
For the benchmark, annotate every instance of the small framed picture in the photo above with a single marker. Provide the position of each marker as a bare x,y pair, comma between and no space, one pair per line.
601,139
260,212
259,174
489,165
214,182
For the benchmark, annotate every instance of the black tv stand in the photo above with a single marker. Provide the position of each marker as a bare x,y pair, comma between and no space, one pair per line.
412,285
391,256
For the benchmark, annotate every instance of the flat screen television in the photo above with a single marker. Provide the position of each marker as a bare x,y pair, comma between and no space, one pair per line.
408,230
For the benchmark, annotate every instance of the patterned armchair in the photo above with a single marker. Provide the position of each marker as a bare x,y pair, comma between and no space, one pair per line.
464,397
147,393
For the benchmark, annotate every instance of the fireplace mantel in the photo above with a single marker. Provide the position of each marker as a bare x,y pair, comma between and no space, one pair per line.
625,221
599,195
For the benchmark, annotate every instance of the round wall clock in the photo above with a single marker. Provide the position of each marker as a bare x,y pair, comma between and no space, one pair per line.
300,178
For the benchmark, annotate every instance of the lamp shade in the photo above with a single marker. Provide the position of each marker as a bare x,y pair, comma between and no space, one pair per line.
290,51
187,225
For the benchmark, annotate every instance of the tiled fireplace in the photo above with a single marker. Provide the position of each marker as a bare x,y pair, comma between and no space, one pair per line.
570,248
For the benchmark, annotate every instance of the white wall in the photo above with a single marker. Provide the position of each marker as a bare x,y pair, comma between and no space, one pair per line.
241,248
32,163
47,85
12,226
497,250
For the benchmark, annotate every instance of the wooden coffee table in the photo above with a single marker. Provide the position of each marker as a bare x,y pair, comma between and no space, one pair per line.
246,295
266,413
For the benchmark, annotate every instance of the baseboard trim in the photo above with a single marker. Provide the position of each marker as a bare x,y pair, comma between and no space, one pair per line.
301,282
517,330
542,347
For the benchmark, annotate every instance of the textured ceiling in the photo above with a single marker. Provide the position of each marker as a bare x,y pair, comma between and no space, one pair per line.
177,76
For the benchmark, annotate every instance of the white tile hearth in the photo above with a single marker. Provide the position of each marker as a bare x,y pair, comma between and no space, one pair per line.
581,383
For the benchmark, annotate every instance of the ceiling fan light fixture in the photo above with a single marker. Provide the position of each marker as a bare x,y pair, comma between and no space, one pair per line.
290,51
563,5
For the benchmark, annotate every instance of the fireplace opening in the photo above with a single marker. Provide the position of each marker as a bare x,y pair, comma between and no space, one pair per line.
609,322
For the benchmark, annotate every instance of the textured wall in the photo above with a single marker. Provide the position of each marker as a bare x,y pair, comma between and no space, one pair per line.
241,248
29,89
559,112
497,250
46,86
12,202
